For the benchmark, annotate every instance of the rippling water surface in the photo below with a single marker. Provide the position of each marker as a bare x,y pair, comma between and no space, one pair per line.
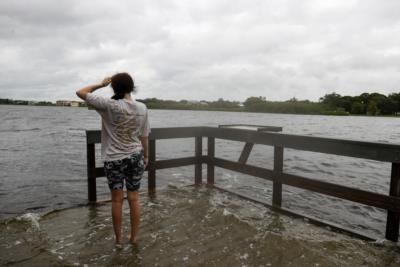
185,227
43,160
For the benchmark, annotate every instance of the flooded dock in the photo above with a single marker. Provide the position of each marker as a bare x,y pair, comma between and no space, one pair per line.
186,226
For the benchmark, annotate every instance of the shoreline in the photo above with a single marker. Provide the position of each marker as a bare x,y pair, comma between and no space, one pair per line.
233,110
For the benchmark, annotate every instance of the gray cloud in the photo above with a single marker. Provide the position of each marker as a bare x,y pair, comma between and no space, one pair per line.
200,50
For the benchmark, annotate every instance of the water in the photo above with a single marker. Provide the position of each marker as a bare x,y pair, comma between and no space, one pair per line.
184,227
43,160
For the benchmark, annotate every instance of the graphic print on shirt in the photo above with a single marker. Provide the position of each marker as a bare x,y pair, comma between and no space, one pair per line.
125,128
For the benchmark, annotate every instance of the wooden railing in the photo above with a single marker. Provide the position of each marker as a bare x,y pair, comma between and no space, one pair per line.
364,150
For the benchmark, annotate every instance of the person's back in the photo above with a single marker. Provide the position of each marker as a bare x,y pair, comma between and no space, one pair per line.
123,121
124,145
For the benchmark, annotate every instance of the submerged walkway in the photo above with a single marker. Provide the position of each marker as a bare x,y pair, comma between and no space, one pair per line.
185,227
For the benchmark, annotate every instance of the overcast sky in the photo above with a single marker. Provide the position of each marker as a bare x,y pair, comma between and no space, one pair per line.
197,50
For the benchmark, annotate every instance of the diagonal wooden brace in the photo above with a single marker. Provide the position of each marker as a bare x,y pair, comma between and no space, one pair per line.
244,156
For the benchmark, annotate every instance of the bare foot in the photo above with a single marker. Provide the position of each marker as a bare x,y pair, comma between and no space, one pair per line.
133,241
118,241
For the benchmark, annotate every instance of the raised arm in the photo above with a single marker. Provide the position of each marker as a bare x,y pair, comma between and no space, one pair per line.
82,93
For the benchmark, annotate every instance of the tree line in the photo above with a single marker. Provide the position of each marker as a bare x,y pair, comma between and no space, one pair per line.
220,104
369,104
329,104
7,101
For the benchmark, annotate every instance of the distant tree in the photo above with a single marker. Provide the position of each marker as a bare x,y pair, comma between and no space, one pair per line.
357,108
372,108
255,103
345,102
395,97
364,98
254,99
332,100
387,106
221,103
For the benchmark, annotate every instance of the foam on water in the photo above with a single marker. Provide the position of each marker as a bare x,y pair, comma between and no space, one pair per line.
32,218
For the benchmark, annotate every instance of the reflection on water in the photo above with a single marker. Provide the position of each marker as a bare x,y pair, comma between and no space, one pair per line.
184,227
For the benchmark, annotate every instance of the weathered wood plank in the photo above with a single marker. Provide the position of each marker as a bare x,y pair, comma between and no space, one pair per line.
244,156
176,132
277,184
199,160
393,218
343,192
260,128
358,149
93,136
91,173
173,163
210,163
339,191
151,184
244,168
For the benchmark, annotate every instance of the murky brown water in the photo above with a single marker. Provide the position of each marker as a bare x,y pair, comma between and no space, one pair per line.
185,227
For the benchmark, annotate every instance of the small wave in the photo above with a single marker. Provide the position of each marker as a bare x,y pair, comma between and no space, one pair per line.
12,118
19,130
36,208
31,218
326,164
302,169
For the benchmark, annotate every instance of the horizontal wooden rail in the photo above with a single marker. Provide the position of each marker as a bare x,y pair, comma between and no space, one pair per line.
176,132
343,192
259,128
339,191
94,136
350,148
244,168
173,163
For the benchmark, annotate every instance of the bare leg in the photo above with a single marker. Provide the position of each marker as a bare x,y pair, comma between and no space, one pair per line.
117,198
134,204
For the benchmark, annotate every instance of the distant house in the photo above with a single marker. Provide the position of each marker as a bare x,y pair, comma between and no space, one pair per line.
68,103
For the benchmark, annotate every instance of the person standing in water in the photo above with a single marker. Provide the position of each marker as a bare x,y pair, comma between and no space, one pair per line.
124,145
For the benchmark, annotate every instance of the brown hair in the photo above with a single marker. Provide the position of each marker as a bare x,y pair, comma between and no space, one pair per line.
122,83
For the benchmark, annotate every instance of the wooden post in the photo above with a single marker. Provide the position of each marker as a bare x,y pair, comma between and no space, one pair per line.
151,183
198,154
91,173
210,164
393,218
277,185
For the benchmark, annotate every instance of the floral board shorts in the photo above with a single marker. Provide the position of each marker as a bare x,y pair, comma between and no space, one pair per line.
129,169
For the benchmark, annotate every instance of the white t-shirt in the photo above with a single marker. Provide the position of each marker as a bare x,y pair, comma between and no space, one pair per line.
123,122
